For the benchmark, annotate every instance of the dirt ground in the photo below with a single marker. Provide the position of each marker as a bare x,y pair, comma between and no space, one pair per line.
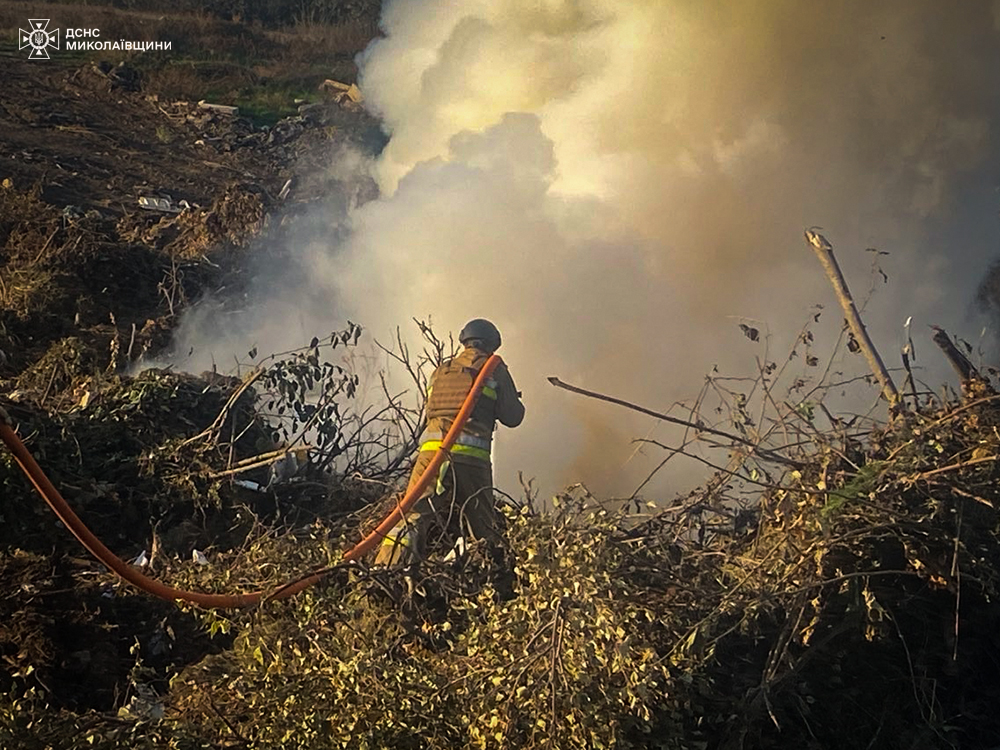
90,281
82,143
94,140
90,142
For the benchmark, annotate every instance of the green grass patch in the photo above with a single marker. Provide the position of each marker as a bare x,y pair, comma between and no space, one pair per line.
860,486
269,102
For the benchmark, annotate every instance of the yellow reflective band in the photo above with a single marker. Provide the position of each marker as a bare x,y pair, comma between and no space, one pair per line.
392,541
489,392
465,450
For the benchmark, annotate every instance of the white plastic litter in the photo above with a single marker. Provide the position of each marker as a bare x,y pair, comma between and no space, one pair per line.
153,203
456,551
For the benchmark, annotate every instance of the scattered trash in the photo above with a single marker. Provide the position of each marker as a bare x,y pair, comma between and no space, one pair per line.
198,557
224,109
309,109
342,91
158,204
457,551
141,561
249,485
286,467
145,704
165,205
285,189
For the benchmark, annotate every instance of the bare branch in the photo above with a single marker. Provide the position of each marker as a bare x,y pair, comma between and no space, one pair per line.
965,369
701,427
824,251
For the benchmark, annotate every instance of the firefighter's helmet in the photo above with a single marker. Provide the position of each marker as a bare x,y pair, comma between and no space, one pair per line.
482,331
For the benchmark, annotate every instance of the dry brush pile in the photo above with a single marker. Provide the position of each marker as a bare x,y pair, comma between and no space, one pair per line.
833,584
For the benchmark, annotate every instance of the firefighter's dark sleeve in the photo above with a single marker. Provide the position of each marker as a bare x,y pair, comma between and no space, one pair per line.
510,410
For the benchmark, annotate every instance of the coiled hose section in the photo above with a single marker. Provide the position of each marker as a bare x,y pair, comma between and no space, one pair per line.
55,500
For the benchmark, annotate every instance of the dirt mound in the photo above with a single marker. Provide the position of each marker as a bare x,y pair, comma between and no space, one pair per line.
234,218
65,274
117,210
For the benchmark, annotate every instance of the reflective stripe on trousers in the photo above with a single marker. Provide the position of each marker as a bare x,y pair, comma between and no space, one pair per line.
462,449
464,438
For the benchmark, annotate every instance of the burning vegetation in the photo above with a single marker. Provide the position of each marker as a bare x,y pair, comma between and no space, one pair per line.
832,583
831,566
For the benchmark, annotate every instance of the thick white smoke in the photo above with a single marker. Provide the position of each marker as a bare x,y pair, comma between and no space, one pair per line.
617,182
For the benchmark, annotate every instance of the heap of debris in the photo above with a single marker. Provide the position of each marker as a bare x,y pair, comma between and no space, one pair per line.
175,473
838,571
863,581
844,571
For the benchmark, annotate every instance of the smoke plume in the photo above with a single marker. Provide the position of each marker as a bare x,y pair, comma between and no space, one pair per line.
618,183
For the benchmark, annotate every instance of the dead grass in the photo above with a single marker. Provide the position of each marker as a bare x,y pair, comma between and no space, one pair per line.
314,40
114,24
198,34
261,70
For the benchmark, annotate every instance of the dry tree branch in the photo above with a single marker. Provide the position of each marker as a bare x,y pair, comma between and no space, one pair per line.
701,427
965,369
963,493
254,462
685,442
45,247
824,251
909,381
210,431
956,574
955,467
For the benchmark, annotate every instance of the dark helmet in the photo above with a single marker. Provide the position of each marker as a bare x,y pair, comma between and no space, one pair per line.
481,330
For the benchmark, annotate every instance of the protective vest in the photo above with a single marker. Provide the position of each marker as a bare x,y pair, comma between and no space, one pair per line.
450,385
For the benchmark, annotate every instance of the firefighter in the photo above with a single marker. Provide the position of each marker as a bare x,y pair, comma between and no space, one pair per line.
462,489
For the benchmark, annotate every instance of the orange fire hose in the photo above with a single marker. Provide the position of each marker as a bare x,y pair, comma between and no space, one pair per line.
94,545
